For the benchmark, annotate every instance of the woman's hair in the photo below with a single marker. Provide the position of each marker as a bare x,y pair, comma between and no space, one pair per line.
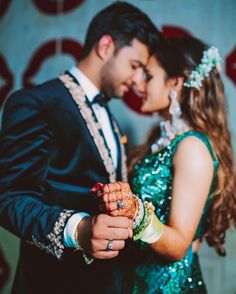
205,111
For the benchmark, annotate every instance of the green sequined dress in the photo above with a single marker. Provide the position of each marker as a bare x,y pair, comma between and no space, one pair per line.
143,270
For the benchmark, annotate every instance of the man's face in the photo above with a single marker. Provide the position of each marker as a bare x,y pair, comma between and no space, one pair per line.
124,69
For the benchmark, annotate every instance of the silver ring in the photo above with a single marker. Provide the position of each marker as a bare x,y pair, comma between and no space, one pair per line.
110,245
120,204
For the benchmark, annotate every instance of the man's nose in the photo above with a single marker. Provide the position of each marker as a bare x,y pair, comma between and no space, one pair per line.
139,82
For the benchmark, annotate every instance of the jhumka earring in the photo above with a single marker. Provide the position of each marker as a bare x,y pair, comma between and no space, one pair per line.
170,129
179,126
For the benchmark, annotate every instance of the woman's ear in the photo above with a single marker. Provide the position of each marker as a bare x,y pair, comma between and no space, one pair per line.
176,84
105,47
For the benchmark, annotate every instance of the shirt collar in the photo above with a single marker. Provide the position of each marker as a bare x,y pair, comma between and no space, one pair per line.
89,88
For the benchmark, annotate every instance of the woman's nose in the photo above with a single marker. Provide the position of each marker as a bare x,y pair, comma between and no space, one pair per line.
139,82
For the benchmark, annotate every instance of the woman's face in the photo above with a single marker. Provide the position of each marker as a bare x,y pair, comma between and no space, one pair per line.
157,88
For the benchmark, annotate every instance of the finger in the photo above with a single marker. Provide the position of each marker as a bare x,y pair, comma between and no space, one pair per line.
118,234
114,187
111,197
99,193
98,245
116,222
111,206
96,187
111,187
105,254
115,212
105,197
105,189
125,188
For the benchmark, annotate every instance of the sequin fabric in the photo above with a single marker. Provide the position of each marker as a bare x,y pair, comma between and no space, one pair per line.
146,272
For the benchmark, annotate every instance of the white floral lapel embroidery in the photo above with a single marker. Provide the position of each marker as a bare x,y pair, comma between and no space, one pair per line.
78,96
122,151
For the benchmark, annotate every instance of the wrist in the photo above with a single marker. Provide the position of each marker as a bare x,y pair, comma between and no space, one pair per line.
78,237
153,231
70,228
139,214
147,226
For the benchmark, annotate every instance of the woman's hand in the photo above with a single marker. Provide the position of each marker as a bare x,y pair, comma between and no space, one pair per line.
117,199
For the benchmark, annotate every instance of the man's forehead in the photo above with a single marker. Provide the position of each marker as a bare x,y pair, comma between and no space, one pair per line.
137,51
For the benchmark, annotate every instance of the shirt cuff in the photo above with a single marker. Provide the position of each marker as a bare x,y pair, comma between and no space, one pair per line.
70,228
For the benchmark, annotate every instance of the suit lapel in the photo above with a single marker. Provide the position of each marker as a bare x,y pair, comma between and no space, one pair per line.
122,160
93,125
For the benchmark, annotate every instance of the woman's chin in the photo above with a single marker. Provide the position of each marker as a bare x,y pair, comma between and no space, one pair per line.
144,108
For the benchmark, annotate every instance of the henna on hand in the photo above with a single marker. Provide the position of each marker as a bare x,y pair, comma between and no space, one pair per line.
117,199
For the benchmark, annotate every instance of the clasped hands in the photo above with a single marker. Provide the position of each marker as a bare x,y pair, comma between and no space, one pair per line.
117,199
103,236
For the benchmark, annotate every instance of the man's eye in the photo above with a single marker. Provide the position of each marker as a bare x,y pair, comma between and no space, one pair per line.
134,66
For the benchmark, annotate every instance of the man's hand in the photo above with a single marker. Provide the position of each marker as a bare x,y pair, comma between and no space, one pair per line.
95,232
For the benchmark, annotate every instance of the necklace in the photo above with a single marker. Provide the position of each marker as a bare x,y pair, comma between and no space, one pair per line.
169,131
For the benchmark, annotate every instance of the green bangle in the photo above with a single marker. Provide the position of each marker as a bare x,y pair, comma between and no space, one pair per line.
137,231
148,210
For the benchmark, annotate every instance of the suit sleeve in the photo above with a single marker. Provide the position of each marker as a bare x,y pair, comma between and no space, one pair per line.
25,145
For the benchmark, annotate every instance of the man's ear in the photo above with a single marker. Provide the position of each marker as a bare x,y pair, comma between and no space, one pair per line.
105,47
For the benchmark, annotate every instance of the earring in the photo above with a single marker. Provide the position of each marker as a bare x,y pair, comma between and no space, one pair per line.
169,130
174,109
178,124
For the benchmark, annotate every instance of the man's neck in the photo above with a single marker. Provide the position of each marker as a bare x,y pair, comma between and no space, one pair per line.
91,70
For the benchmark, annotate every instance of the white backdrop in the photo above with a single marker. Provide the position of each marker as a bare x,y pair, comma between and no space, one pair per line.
40,39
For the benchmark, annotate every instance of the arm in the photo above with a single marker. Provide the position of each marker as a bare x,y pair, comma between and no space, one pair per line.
25,147
24,154
193,175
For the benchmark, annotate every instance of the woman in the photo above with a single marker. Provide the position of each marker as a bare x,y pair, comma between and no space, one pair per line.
185,170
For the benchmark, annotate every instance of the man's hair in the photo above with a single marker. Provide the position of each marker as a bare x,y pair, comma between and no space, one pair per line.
124,23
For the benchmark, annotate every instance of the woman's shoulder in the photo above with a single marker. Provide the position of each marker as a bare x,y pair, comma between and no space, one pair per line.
194,139
195,148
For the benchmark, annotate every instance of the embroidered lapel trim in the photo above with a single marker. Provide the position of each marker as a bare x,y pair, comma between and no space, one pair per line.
122,152
94,127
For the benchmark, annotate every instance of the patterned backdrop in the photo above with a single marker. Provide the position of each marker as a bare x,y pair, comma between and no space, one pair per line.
39,39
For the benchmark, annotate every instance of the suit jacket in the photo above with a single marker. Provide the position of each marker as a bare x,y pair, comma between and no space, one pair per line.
52,151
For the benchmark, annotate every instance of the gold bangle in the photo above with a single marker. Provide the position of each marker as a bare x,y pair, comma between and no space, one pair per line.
88,259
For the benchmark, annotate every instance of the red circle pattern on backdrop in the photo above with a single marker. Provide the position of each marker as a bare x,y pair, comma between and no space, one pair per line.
3,6
47,50
73,48
230,65
57,6
8,78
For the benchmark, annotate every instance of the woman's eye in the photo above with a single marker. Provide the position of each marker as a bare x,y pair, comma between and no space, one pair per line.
147,76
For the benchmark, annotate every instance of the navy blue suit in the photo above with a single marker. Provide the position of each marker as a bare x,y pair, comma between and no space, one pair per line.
51,154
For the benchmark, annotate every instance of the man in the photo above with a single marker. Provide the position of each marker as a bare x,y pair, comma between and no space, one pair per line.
57,141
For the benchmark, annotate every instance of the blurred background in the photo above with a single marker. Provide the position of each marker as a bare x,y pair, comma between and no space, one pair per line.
39,39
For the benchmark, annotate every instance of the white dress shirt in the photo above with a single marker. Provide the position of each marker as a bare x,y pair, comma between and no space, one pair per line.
102,116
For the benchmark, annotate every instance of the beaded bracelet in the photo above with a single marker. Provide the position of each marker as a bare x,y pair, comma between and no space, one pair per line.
139,215
88,259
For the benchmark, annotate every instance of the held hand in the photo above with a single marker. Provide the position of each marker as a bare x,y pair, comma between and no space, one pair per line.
95,233
117,199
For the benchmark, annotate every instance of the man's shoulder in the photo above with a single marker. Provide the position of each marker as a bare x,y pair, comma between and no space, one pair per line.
48,87
45,92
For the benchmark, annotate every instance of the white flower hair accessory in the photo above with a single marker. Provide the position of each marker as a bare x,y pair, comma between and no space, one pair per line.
211,58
